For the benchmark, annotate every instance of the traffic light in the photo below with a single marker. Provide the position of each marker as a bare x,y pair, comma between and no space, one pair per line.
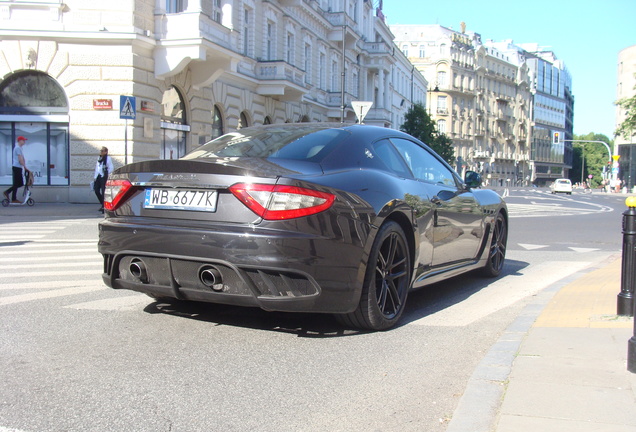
555,138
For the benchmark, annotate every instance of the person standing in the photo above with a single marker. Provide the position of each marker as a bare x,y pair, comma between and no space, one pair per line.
103,167
19,163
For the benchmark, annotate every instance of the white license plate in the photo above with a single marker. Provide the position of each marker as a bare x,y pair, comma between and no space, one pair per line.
181,199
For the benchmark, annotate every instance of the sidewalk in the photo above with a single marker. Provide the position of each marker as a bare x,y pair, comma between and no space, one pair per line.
563,371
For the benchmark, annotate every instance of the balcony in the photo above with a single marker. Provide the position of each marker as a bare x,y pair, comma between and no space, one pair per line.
193,39
280,80
338,20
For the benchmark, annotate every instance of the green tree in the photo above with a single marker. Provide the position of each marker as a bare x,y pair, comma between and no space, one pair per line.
419,124
627,128
596,157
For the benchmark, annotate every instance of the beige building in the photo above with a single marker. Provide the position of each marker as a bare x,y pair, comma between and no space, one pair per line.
626,88
483,95
157,78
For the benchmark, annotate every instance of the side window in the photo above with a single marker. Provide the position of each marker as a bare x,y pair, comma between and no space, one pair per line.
391,159
423,164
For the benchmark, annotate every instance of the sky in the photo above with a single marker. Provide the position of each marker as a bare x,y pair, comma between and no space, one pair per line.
586,35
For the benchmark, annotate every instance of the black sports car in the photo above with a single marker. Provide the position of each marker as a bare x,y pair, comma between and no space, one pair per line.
300,217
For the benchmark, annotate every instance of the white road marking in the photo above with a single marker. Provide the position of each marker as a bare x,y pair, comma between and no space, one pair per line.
531,246
502,293
583,250
21,298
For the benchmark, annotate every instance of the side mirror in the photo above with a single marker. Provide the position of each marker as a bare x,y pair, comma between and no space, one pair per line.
472,179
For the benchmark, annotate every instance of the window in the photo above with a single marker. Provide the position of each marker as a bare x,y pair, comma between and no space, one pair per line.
246,32
405,49
37,95
441,126
270,41
175,6
267,120
217,123
243,121
441,79
290,48
307,63
321,71
334,76
173,125
217,12
422,51
442,107
423,164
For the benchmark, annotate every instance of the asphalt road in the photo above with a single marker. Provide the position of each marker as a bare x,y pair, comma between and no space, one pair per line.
77,356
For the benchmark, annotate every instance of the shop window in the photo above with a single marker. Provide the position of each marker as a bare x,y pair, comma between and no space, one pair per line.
34,105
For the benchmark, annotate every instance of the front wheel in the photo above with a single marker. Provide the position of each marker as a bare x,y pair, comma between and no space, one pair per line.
30,202
497,251
5,203
386,283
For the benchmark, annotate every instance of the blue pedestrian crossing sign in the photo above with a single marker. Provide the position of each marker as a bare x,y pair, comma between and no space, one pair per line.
127,107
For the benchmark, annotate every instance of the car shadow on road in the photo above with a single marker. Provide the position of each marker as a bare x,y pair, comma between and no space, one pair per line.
300,324
439,296
420,304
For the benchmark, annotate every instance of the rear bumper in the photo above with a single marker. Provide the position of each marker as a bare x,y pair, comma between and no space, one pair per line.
270,269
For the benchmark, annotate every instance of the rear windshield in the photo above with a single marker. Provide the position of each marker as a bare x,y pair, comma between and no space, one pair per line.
282,142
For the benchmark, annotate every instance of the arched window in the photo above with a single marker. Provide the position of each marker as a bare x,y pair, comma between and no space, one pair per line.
267,120
243,122
34,105
217,123
173,125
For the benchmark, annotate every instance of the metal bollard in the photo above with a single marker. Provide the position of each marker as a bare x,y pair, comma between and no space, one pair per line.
629,257
625,303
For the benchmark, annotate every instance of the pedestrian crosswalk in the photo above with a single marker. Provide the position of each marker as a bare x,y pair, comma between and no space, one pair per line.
38,264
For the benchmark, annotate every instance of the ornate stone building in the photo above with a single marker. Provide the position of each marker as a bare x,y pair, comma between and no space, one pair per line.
484,95
626,88
184,72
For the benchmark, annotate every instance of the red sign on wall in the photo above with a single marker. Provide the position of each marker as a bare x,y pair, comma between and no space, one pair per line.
102,104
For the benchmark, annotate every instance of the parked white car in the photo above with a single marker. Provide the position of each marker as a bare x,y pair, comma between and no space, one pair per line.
561,185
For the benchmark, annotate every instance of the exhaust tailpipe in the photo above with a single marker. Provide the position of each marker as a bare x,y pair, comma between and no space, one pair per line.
211,278
137,268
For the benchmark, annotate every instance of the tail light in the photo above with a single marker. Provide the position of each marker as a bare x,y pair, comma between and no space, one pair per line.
116,193
279,202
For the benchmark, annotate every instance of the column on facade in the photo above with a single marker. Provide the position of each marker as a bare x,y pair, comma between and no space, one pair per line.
194,6
380,100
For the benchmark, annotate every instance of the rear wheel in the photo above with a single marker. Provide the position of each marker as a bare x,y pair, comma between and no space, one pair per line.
497,252
386,282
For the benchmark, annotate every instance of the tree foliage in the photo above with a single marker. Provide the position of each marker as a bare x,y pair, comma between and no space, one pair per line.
419,124
596,157
627,128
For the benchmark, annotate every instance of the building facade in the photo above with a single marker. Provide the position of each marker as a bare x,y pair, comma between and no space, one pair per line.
626,88
157,78
500,104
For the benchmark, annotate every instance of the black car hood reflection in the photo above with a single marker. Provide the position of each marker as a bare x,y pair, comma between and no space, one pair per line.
272,167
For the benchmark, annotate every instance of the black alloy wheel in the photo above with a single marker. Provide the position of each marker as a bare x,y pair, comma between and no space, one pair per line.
386,282
497,252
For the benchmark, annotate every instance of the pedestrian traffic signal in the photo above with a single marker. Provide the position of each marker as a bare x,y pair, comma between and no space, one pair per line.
555,138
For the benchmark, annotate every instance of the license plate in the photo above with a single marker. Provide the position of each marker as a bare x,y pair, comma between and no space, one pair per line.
181,199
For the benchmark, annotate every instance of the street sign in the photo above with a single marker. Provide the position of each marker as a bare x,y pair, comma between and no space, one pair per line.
361,109
127,107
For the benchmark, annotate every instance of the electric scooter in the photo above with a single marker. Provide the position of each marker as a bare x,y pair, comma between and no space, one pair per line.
26,194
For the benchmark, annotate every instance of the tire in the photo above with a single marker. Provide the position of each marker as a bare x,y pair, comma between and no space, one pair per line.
30,202
5,203
386,283
497,249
